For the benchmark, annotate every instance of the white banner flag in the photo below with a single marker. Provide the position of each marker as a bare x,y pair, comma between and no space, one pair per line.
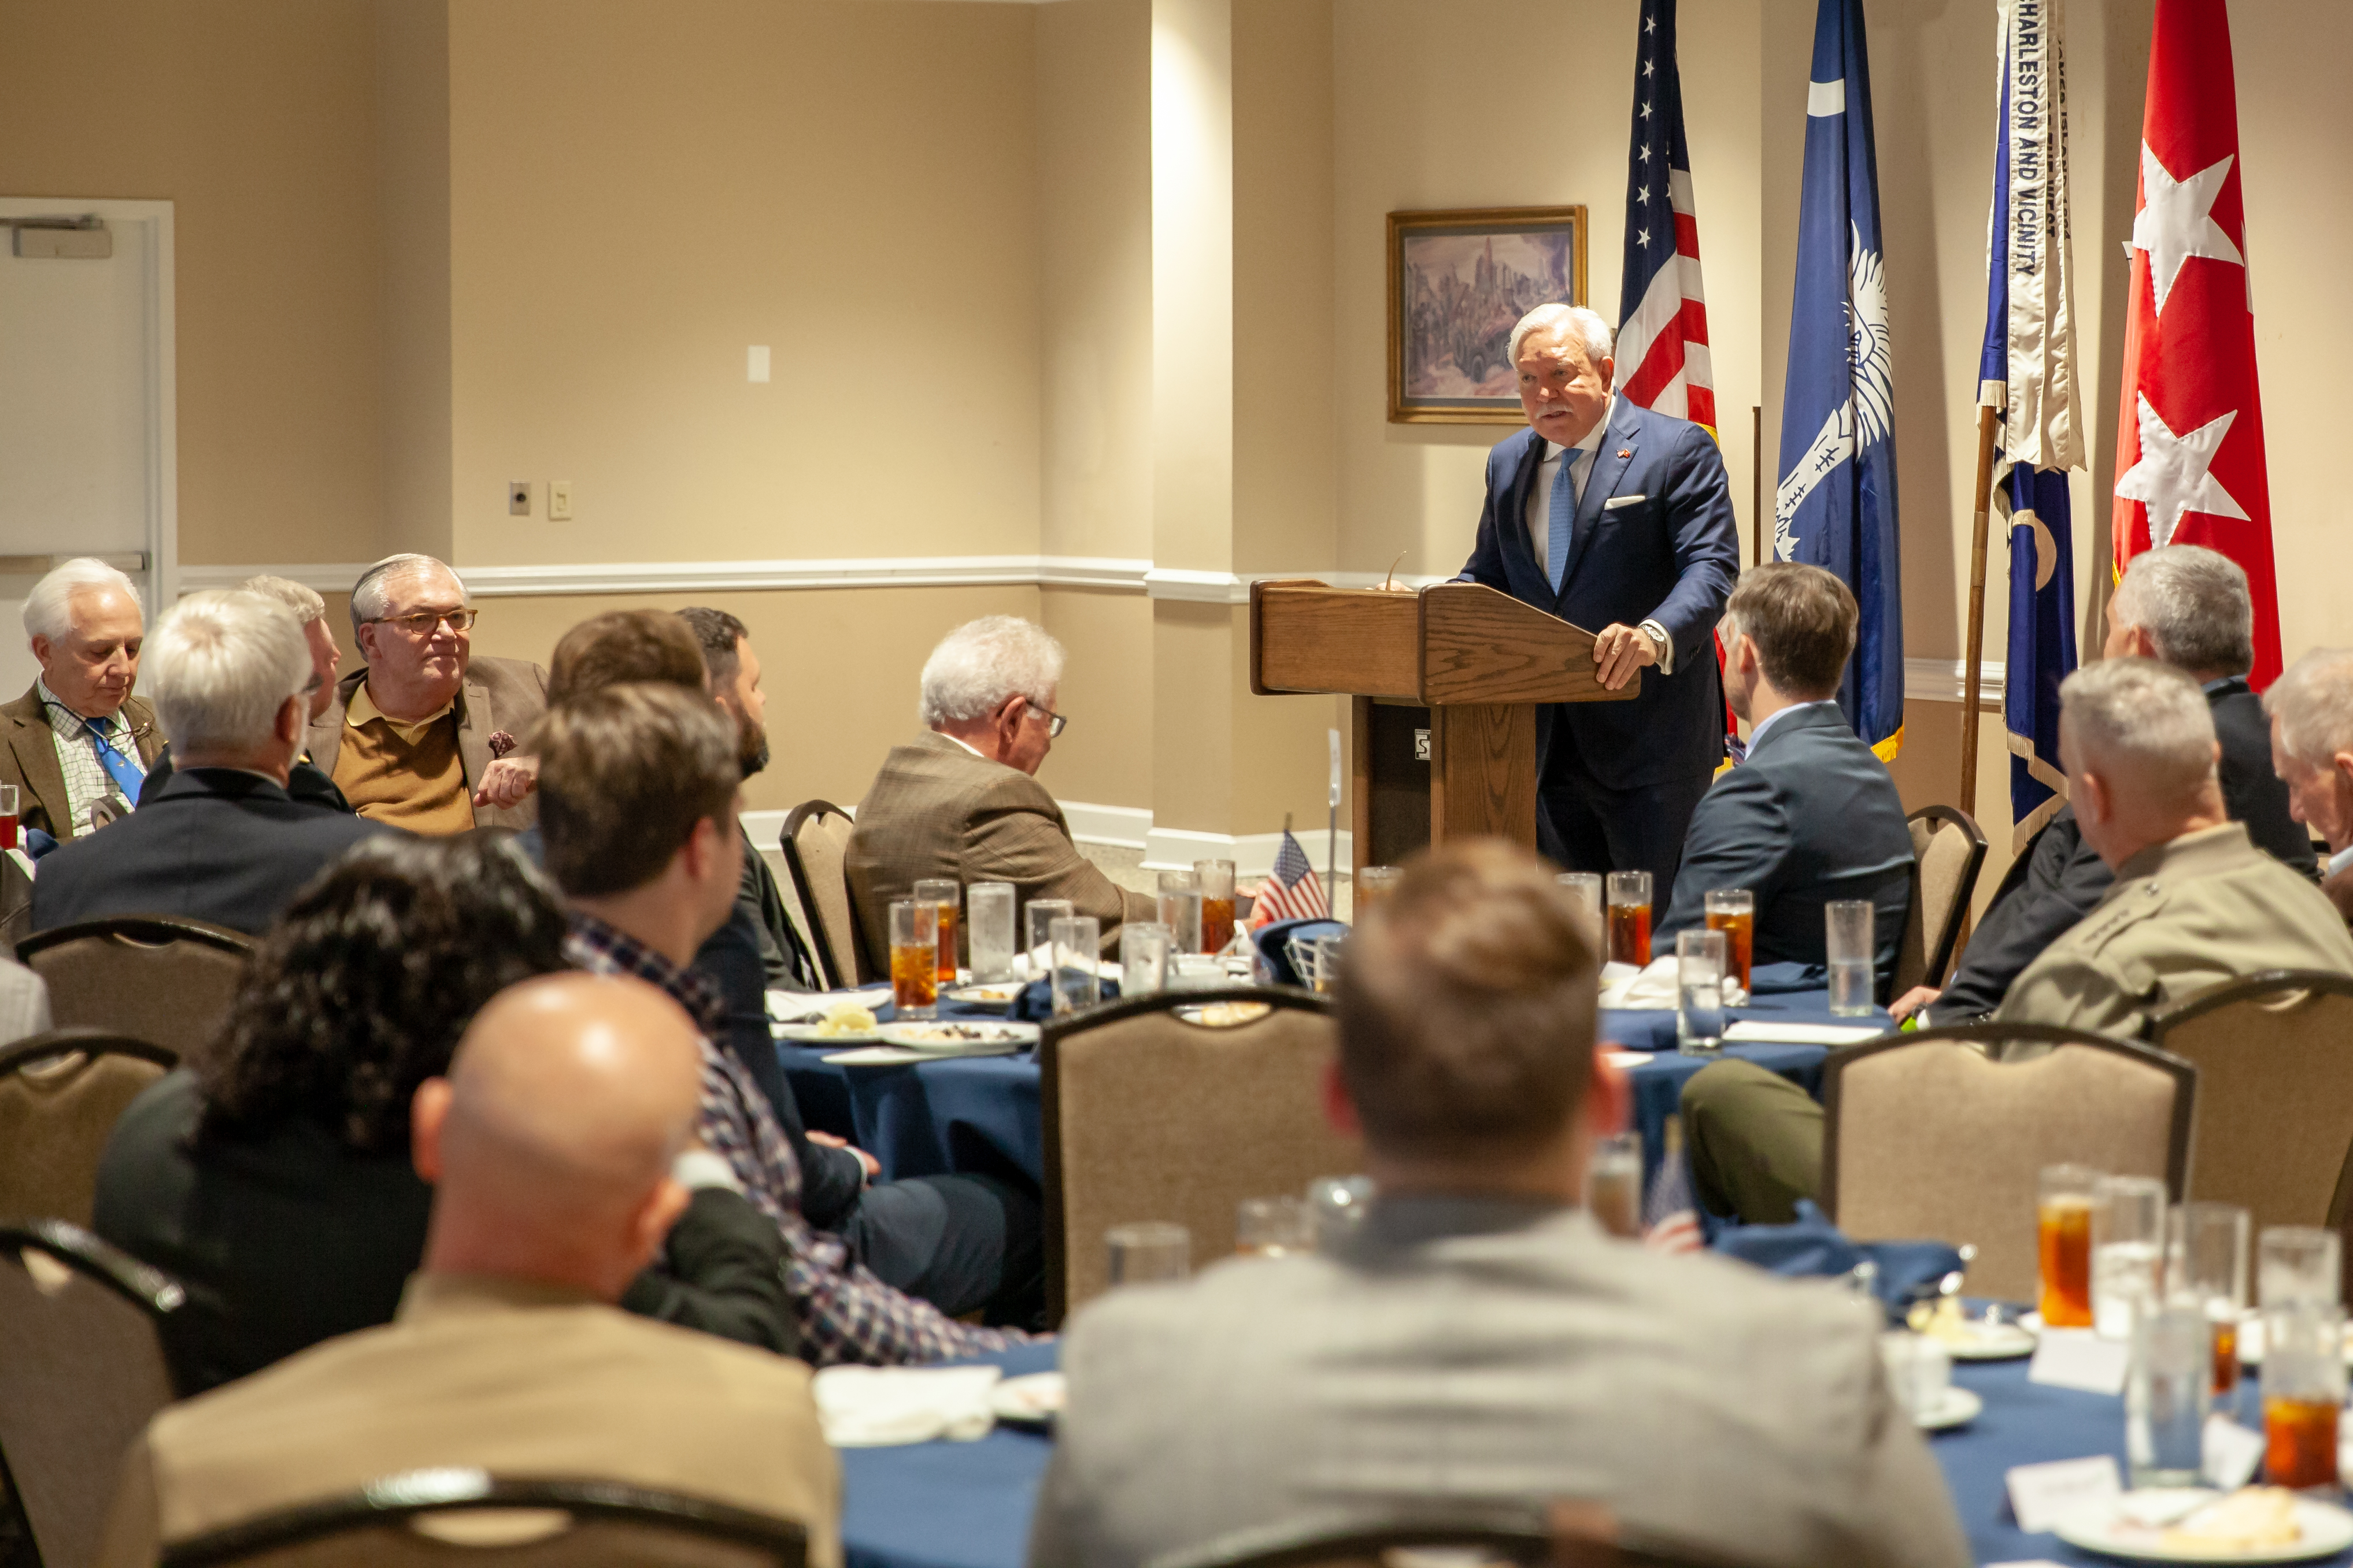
2030,251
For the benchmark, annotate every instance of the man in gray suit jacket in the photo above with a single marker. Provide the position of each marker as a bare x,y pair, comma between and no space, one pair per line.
1481,1345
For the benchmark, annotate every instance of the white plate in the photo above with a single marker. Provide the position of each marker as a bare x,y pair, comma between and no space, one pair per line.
988,994
903,1055
2327,1529
958,1033
1955,1407
1990,1342
1035,1399
815,1034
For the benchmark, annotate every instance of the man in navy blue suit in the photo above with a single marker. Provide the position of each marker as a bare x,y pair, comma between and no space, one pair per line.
1613,516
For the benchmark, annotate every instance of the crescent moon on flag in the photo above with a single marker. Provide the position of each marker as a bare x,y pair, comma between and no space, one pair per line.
2046,549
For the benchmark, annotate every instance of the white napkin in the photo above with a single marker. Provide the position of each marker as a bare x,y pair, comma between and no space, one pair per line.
883,1406
1625,987
805,1007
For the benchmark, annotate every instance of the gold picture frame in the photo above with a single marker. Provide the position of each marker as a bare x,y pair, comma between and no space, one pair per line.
1452,302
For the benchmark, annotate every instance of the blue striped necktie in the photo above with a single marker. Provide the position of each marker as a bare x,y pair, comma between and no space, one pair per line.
1564,506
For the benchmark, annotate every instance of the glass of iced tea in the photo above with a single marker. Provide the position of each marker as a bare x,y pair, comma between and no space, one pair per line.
915,957
2304,1389
1217,903
1733,912
1373,884
2063,1221
948,895
1630,917
7,816
1273,1227
1613,1184
2206,1266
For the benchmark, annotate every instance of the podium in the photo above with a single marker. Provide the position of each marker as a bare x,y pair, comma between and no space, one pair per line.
1445,684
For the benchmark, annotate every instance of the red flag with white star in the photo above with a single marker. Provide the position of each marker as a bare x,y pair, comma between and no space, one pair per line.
2189,422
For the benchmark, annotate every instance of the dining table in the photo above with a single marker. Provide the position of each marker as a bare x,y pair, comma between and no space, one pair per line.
967,1505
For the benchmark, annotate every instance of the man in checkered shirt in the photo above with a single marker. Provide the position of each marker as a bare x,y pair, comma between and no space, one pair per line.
78,740
638,808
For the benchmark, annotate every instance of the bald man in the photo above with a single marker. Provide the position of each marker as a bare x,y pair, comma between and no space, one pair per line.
551,1147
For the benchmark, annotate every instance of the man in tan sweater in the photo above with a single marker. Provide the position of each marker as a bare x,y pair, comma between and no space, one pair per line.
550,1147
962,800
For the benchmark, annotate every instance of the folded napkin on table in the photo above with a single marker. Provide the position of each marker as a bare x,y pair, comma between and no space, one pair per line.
881,1406
1814,1246
1623,986
809,1007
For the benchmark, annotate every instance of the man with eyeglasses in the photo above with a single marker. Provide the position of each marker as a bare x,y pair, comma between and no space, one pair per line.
422,734
960,801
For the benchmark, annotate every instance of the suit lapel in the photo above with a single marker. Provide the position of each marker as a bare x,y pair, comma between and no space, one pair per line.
1618,446
474,727
36,748
326,734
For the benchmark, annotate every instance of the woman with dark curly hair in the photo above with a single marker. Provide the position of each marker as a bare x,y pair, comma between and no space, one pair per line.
271,1177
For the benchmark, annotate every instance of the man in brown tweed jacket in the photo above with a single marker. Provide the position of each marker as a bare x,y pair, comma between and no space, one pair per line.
960,802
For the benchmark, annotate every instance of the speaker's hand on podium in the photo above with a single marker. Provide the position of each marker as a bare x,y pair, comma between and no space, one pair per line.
1621,650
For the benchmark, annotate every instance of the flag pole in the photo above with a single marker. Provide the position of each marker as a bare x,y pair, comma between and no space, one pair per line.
1332,834
1975,663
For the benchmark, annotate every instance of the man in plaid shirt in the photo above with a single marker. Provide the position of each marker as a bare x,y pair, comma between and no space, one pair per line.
637,807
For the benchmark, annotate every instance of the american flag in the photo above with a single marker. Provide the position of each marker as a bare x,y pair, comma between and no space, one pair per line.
1663,358
1292,890
1669,1213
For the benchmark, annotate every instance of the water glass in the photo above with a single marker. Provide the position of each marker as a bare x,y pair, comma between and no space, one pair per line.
1324,955
1143,958
1630,917
1273,1227
1180,907
2205,1269
1217,904
2298,1263
2128,1244
1148,1250
2304,1391
1340,1204
1847,931
948,894
1733,912
1613,1184
2168,1387
2063,1223
1699,991
1037,922
1078,948
1373,884
1584,889
989,918
915,957
1919,1370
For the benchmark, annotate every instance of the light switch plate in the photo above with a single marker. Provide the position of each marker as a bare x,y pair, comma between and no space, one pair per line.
518,497
755,362
559,501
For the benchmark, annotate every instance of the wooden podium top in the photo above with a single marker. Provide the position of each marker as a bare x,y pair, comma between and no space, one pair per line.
1450,643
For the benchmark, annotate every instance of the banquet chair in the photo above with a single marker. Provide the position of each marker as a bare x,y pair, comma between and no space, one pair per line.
1926,1137
815,841
158,978
1947,853
60,1094
1568,1535
1148,1116
2273,1131
464,1518
83,1374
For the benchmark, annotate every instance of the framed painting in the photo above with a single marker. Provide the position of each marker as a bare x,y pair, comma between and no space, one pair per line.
1458,282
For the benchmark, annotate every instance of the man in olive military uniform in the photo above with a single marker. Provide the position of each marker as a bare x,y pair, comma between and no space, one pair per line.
2194,903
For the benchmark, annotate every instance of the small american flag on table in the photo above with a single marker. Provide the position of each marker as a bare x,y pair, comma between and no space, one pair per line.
1292,890
1669,1213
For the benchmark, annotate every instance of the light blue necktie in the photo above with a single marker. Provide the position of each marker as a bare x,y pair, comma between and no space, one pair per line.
1564,506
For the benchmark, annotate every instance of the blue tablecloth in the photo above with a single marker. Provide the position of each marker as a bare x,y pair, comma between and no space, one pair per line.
967,1505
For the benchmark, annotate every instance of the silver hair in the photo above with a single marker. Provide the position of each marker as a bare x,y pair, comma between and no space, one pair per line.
2142,725
48,608
983,662
1587,324
219,667
2312,702
2193,604
370,594
305,601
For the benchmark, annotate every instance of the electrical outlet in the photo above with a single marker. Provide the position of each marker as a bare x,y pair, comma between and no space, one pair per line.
559,501
518,497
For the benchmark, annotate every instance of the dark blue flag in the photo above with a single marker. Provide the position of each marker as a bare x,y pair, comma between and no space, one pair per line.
1836,504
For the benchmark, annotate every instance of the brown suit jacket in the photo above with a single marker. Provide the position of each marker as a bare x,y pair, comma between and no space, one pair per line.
519,1379
936,810
30,762
500,694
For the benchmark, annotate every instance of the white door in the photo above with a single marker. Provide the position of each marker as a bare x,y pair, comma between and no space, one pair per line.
86,461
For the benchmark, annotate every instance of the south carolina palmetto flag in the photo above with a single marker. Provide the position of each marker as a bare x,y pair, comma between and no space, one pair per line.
2189,422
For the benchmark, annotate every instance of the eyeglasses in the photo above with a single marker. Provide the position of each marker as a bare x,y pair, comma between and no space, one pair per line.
425,623
1054,721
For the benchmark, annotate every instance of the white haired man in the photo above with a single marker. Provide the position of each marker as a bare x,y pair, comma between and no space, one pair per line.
2194,903
420,735
961,799
221,840
305,780
78,742
2311,710
1613,516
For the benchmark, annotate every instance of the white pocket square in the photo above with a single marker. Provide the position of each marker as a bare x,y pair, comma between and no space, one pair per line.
1614,503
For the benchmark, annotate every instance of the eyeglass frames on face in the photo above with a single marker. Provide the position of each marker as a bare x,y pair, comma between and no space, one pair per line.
1055,722
424,624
